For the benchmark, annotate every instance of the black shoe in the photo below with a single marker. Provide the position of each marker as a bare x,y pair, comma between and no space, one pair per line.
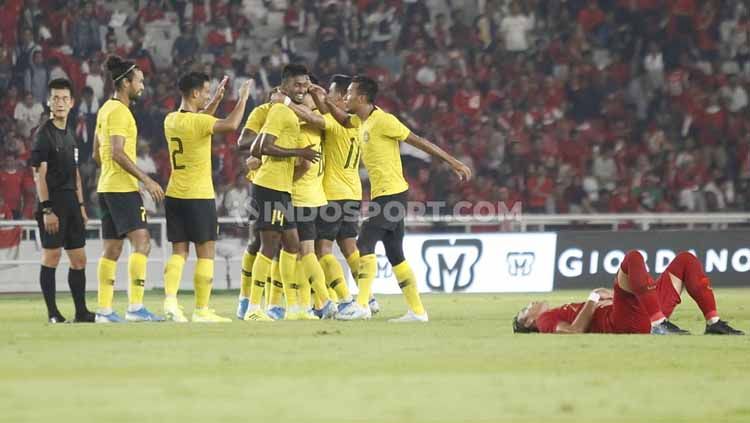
57,318
722,328
668,328
86,317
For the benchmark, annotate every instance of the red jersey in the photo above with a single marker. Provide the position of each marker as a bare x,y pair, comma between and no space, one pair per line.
547,322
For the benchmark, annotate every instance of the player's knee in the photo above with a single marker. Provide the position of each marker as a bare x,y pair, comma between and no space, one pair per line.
143,247
685,257
78,262
632,257
254,246
323,249
112,251
51,258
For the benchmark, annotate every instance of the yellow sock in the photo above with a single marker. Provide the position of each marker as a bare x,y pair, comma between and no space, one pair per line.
408,284
303,283
335,277
106,272
203,281
247,274
137,275
316,276
368,268
288,270
173,274
353,261
277,288
261,272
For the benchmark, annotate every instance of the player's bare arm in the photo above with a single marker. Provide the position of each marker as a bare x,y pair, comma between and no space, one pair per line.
79,195
122,159
213,104
51,222
460,169
339,114
246,139
303,112
318,95
265,145
300,168
583,320
233,120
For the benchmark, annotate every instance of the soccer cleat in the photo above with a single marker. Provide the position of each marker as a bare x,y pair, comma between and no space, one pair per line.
276,312
722,328
86,317
667,328
57,318
242,306
109,318
258,316
354,311
206,315
174,312
374,306
327,312
409,317
142,315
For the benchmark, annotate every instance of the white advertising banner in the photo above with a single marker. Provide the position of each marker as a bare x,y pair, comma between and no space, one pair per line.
474,263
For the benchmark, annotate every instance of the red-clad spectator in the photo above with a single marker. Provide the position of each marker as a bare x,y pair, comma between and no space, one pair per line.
540,188
11,185
591,16
623,201
152,12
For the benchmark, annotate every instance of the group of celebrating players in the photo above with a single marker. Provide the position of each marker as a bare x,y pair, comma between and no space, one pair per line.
304,147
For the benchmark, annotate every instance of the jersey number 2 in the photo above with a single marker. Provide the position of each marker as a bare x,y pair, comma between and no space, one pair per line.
175,152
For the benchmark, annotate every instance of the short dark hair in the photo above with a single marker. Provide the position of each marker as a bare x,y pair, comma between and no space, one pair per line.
291,70
120,69
60,84
519,327
342,82
367,87
192,81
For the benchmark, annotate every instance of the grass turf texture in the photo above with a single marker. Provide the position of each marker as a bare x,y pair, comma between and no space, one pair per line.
464,366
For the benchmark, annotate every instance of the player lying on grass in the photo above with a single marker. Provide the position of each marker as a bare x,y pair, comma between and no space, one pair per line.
637,304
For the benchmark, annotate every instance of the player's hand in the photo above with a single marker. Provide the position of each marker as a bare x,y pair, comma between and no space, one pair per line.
155,190
51,223
245,88
221,88
462,171
252,162
310,153
85,216
604,294
315,89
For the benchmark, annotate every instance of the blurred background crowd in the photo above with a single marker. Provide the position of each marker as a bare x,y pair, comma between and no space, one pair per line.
576,106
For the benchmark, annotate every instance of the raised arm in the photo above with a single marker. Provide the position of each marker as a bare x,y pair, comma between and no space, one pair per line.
460,169
213,104
234,119
122,159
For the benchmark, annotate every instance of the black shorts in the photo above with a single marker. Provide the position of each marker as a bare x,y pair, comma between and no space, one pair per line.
306,218
122,213
272,209
72,233
387,213
338,220
191,220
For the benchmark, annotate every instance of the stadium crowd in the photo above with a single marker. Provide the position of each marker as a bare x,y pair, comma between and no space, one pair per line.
574,106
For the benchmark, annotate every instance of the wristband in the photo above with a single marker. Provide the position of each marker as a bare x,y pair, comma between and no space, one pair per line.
287,101
46,204
594,297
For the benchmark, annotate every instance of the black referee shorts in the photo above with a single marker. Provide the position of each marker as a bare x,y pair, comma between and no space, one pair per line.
122,213
71,234
191,220
273,209
338,220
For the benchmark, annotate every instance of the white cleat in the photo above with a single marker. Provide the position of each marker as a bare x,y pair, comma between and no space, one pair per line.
410,316
354,311
173,312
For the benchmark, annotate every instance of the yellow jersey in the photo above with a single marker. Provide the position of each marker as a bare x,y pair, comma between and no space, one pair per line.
380,135
342,151
254,123
307,191
115,118
188,137
277,172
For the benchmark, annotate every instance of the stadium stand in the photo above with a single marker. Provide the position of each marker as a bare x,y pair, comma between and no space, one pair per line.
571,107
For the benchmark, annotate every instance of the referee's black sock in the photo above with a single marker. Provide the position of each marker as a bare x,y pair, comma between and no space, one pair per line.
77,283
47,282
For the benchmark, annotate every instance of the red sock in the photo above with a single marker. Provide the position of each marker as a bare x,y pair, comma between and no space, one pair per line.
689,269
642,285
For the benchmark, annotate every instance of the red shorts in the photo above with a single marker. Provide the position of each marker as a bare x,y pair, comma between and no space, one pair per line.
626,314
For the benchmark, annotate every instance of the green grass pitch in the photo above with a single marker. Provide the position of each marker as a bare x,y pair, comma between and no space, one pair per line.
463,366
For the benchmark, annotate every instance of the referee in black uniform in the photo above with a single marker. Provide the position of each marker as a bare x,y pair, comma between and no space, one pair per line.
61,214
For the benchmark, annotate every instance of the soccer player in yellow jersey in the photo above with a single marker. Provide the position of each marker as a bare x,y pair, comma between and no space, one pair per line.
278,144
123,214
190,198
381,134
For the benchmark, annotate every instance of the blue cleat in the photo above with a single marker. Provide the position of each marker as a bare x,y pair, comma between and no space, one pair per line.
667,328
327,312
242,307
276,313
108,318
142,315
344,306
